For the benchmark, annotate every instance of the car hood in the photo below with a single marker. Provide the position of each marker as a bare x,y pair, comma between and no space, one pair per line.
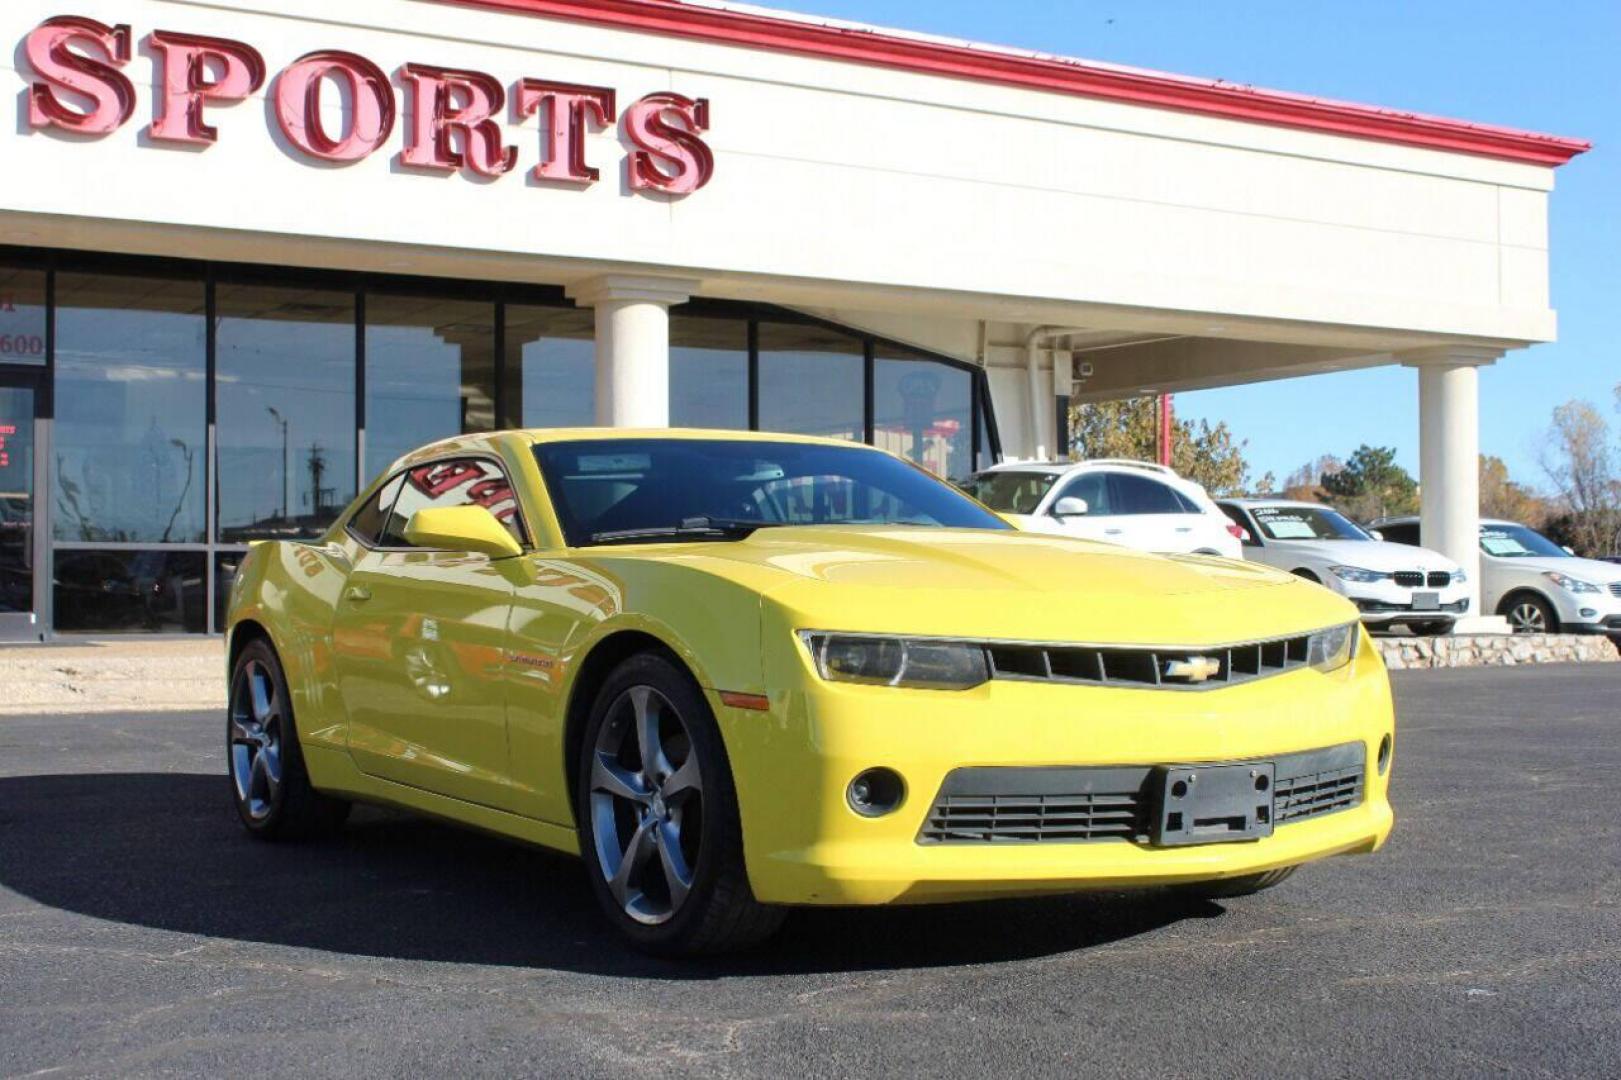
1378,555
1011,585
1595,570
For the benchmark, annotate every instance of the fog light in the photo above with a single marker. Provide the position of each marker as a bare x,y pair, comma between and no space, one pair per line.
876,792
1386,747
1589,613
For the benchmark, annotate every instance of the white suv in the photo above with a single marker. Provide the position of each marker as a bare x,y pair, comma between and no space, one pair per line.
1538,585
1132,503
1389,583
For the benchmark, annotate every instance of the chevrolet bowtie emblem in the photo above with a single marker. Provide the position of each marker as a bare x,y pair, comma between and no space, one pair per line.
1194,669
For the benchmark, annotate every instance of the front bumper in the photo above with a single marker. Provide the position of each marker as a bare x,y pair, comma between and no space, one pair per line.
805,845
1385,602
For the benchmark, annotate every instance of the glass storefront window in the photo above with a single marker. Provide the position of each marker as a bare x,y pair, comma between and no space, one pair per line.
430,372
550,367
709,372
131,421
153,592
226,564
923,409
22,316
285,386
812,381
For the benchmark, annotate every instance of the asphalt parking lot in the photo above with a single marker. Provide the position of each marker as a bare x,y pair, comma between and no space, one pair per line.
141,933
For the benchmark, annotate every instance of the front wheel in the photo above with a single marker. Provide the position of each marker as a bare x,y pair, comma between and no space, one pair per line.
269,785
658,820
1528,614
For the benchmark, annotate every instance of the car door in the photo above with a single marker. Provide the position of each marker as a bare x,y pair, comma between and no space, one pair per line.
1151,516
420,643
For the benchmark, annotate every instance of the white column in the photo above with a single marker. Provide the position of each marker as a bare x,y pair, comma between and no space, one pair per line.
633,345
1449,456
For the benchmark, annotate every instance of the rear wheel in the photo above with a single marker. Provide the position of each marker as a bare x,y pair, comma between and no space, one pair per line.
1229,888
658,820
1531,614
269,784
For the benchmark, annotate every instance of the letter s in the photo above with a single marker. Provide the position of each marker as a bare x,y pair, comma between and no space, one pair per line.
112,94
670,157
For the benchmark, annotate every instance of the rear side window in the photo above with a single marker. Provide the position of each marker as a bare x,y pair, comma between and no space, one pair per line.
367,523
1252,536
456,482
1139,495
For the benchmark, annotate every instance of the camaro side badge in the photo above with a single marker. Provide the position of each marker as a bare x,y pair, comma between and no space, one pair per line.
1195,669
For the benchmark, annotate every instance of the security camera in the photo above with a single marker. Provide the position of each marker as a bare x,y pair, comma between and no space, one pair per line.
1083,369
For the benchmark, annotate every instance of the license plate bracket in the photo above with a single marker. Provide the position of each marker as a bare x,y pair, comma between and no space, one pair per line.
1426,601
1213,804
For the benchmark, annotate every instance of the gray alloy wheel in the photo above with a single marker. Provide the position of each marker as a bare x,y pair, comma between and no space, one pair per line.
1529,615
256,723
269,785
646,805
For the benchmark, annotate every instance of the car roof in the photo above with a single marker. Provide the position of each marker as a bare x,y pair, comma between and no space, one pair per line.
1413,519
1251,501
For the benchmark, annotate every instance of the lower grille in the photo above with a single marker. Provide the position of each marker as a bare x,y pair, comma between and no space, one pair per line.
1083,803
1409,579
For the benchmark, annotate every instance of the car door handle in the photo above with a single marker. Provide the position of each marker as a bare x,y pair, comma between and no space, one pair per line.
358,593
1184,528
1113,532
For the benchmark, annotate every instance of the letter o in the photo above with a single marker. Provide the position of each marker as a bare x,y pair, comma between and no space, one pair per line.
298,105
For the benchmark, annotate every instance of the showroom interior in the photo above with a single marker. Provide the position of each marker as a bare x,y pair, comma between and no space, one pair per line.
219,333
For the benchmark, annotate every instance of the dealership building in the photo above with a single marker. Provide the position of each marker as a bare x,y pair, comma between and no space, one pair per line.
253,250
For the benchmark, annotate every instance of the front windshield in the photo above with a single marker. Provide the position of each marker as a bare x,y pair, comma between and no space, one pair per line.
1518,542
1305,523
604,489
1011,492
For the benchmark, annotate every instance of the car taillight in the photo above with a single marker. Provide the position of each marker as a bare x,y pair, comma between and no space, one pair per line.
1238,531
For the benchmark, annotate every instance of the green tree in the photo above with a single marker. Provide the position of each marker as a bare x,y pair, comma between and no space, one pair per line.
1503,497
1371,485
1207,455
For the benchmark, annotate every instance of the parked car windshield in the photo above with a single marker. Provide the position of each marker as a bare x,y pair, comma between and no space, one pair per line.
1305,523
1518,542
658,490
1011,492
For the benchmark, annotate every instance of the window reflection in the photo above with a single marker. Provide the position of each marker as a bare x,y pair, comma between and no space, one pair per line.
430,372
22,316
130,409
812,381
153,592
922,409
285,378
709,372
551,367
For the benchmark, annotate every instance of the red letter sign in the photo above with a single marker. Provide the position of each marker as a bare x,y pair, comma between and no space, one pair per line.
671,157
188,82
437,115
566,109
298,105
111,94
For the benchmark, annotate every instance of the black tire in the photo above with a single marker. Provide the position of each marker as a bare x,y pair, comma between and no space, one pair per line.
289,808
718,913
1524,610
1230,888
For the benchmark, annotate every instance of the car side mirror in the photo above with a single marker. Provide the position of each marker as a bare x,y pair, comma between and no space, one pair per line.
1568,549
461,528
1376,534
1069,506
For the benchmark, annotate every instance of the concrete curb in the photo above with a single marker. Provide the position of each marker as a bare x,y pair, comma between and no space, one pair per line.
1495,650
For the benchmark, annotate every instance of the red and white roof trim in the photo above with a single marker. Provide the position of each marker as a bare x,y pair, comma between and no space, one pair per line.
758,28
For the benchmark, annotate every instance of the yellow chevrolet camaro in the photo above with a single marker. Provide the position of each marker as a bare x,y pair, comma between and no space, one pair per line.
738,671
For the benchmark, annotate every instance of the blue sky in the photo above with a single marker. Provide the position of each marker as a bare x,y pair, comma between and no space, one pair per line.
1545,66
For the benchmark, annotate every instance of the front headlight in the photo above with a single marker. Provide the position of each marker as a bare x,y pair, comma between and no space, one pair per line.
1568,583
1332,649
1356,573
1459,577
896,661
